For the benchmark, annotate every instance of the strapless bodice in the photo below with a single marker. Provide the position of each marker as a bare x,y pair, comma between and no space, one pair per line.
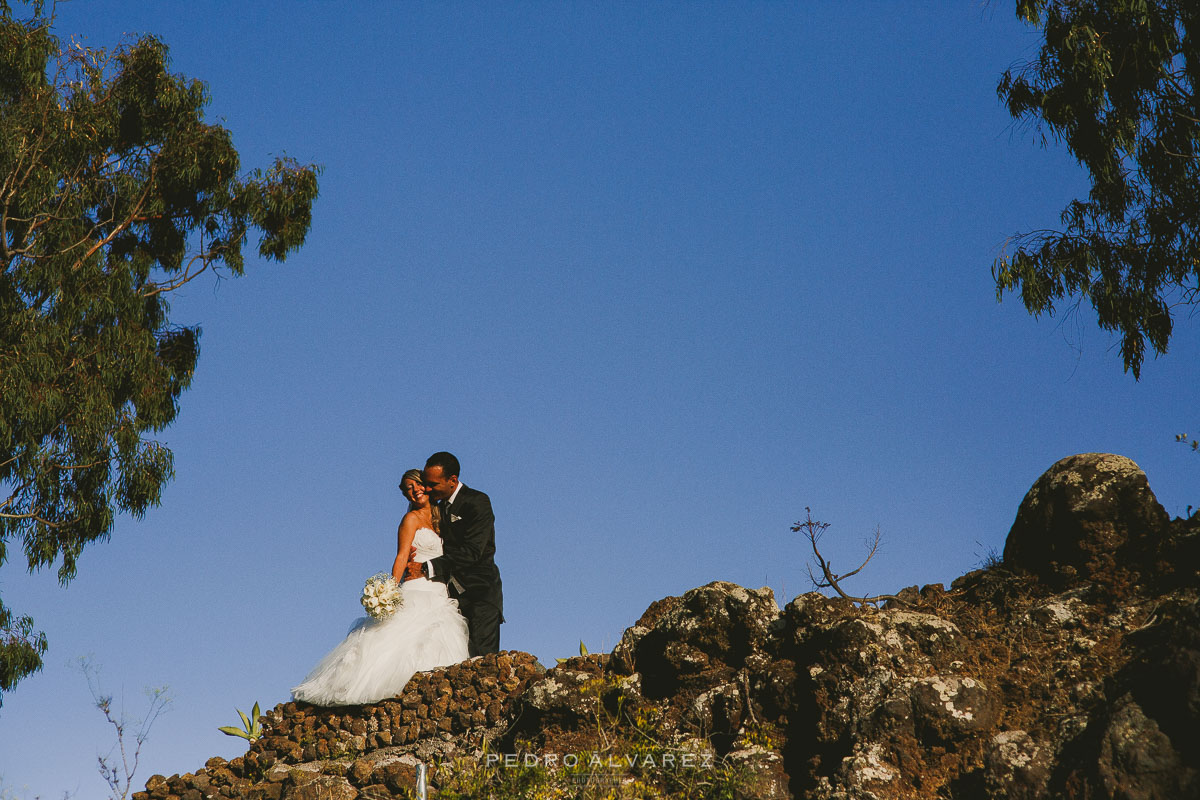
428,544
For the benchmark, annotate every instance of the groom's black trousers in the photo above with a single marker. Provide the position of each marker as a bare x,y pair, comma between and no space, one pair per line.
483,628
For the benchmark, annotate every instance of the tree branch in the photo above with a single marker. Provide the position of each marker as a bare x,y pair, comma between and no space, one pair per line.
812,530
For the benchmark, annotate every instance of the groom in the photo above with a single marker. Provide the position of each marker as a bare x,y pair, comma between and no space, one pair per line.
466,565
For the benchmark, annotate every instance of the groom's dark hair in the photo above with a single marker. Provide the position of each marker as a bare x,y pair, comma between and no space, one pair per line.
446,461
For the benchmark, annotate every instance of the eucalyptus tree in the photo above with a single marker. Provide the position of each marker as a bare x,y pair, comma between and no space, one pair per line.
1116,81
114,192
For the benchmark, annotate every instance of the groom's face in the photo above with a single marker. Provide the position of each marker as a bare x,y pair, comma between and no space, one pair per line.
440,486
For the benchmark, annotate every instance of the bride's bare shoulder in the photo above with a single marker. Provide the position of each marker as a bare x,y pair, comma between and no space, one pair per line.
415,519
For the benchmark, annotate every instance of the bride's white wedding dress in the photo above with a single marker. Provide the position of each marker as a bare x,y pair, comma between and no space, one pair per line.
377,657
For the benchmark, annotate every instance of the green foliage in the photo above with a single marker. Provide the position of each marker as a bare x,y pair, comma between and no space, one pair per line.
250,729
631,760
1116,80
477,779
114,192
635,768
583,651
21,649
762,734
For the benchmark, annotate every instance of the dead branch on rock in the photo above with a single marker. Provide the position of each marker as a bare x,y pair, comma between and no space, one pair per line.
118,770
813,530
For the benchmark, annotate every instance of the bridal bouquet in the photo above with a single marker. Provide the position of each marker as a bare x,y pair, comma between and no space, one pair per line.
381,596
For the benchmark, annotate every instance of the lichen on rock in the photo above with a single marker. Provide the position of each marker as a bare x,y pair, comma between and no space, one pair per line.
1089,516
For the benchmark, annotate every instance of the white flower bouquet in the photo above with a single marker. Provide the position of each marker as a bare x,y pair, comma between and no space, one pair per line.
381,596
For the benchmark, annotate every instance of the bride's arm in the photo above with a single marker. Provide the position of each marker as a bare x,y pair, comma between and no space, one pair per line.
404,537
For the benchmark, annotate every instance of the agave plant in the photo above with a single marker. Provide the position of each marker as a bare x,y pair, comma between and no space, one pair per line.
250,731
583,651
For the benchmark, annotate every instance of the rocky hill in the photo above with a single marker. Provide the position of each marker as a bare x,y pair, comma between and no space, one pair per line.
1068,669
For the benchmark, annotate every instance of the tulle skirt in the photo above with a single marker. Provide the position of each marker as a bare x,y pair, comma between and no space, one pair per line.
377,657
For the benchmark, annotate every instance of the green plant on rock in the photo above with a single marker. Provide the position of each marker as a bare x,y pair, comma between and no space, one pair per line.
583,651
632,763
251,730
488,776
763,734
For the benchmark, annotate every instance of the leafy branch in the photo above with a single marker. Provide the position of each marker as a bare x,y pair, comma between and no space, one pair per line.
115,191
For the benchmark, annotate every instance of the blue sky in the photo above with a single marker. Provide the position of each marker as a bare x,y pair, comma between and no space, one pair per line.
661,275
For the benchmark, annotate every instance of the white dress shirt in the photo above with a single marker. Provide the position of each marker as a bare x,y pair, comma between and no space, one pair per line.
428,567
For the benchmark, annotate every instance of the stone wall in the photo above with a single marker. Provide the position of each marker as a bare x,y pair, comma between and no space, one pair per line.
346,748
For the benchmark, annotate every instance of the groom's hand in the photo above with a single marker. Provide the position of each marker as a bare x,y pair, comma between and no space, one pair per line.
413,570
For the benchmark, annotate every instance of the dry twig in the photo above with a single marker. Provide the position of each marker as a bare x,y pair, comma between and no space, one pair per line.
813,530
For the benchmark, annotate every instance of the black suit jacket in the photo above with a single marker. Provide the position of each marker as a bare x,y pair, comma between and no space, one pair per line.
467,565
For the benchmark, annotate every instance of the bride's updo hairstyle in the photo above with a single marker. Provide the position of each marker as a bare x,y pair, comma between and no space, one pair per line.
435,512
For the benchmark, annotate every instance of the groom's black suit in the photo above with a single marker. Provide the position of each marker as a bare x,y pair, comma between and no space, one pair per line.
468,568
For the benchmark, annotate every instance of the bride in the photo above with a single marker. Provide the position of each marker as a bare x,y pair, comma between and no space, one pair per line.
377,657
